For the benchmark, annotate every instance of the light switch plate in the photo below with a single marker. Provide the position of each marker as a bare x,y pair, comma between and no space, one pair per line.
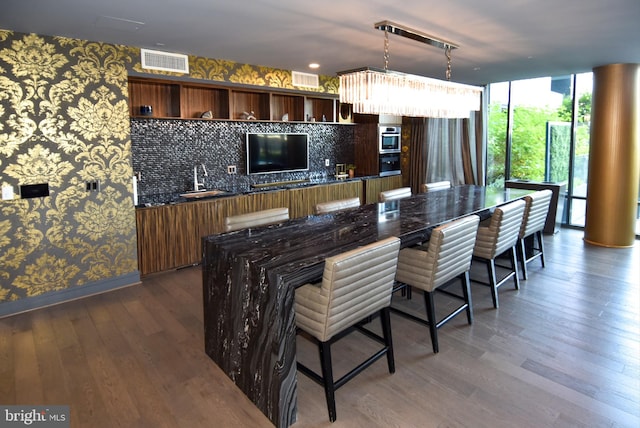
7,193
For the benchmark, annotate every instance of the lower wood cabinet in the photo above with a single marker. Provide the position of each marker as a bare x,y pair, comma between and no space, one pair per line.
169,236
303,201
373,186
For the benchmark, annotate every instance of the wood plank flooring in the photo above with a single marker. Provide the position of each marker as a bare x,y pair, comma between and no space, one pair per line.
563,351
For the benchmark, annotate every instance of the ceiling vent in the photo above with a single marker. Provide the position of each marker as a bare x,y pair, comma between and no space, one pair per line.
156,60
306,80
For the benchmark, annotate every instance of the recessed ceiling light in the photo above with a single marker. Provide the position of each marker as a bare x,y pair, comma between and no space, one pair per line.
314,65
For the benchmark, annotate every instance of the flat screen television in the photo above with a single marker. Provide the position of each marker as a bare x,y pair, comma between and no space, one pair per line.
277,152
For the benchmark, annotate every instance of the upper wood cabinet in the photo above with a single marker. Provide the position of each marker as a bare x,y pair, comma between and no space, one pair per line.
163,97
188,100
196,100
250,102
321,109
290,105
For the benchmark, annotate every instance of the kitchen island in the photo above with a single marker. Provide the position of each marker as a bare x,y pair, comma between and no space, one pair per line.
250,276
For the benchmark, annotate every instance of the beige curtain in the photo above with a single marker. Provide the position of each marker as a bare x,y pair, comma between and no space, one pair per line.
446,149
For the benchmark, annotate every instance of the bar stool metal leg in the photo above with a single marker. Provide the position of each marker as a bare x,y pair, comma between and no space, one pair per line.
327,375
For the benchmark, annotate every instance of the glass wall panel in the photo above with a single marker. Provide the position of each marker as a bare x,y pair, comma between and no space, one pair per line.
497,133
541,136
541,147
578,190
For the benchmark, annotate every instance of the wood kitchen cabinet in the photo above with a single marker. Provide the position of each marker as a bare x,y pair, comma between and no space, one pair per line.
157,238
373,186
256,103
170,236
189,100
318,108
291,105
303,201
162,96
198,99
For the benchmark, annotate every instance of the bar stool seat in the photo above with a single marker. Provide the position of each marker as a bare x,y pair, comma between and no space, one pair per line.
337,205
433,266
255,219
535,216
355,286
496,236
435,185
394,194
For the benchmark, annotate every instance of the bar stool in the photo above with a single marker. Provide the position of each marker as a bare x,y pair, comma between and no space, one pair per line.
535,216
255,219
496,236
435,185
338,205
394,194
355,285
436,264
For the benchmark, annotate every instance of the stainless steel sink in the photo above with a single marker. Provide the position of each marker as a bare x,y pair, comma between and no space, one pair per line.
202,194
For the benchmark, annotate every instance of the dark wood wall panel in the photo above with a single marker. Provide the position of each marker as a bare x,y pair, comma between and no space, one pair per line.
366,145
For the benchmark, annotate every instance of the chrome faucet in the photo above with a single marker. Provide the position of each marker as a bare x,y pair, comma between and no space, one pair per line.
197,185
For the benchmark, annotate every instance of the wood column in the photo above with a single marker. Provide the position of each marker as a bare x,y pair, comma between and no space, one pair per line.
614,159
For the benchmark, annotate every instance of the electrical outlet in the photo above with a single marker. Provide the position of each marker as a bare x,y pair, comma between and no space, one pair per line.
92,186
231,169
7,193
326,162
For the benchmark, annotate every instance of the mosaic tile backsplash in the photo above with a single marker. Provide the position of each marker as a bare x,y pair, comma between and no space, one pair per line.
165,151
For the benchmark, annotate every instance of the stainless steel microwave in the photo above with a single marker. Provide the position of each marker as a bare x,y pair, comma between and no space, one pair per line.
389,138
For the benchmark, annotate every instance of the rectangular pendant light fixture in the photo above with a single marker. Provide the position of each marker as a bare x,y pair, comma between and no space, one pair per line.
381,91
412,34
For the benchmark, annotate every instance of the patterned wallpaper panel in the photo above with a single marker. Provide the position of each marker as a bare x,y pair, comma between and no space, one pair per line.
218,70
64,121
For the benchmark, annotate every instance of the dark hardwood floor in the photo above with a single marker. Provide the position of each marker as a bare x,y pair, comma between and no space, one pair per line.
563,351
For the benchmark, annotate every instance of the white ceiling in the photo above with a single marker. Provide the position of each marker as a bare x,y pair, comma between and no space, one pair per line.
499,40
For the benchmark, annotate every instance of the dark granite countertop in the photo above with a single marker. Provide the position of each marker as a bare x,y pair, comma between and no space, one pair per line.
176,198
250,276
311,239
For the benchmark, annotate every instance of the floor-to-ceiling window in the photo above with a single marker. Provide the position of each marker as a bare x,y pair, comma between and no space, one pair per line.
577,192
539,130
497,121
531,135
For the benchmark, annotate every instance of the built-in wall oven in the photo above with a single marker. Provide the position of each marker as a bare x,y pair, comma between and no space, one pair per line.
389,164
389,147
389,138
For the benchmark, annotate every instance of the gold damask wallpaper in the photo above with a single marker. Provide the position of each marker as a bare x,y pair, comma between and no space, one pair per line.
219,70
64,121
